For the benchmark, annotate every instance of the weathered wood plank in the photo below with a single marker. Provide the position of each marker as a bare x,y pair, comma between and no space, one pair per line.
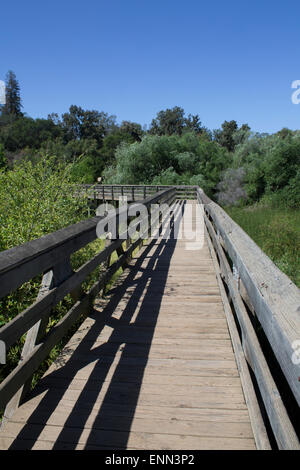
165,426
134,440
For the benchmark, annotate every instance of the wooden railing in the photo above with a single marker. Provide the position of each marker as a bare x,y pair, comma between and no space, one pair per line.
255,290
50,256
110,192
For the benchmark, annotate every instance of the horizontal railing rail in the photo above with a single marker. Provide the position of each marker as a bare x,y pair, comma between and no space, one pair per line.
50,256
135,192
254,281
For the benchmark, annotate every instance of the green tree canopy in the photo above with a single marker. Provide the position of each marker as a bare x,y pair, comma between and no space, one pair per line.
133,129
84,124
225,135
173,121
27,132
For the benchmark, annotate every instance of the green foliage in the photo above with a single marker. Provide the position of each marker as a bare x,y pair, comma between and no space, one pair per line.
291,193
112,141
3,160
282,163
284,132
173,121
168,177
165,159
132,129
85,154
35,200
84,170
84,124
225,136
271,166
27,132
168,122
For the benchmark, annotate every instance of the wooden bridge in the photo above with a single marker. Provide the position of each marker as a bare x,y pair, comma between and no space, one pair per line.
194,345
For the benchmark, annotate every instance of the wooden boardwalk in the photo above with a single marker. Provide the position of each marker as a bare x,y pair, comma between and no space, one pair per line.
152,368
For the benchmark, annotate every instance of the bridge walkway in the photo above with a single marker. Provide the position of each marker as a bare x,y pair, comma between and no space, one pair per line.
151,368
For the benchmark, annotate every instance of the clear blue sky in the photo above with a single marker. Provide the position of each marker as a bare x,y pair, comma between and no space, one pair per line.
221,60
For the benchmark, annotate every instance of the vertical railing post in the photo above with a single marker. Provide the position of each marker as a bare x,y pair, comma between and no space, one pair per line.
236,276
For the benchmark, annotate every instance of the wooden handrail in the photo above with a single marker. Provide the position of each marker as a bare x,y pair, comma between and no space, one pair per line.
134,192
50,256
273,298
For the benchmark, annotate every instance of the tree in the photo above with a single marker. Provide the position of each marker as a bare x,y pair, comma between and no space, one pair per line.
168,122
27,132
241,135
54,117
13,103
284,133
110,144
173,121
225,136
133,129
84,124
193,123
282,163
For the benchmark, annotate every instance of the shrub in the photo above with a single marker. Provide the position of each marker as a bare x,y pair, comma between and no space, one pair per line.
35,200
169,160
282,163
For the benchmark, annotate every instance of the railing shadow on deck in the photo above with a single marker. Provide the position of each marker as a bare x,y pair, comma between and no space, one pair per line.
122,393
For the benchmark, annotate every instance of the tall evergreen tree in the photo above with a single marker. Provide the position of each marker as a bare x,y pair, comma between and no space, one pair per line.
13,103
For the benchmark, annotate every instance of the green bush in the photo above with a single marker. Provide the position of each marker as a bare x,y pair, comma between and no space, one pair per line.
271,164
173,159
36,200
282,163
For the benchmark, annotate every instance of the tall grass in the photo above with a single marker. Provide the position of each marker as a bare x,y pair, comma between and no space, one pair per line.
276,231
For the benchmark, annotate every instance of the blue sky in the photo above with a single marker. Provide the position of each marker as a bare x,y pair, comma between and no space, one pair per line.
221,60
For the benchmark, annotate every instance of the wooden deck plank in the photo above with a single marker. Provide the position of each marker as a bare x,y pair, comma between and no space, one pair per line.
151,368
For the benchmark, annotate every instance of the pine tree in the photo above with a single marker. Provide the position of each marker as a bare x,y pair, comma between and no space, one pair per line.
13,103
